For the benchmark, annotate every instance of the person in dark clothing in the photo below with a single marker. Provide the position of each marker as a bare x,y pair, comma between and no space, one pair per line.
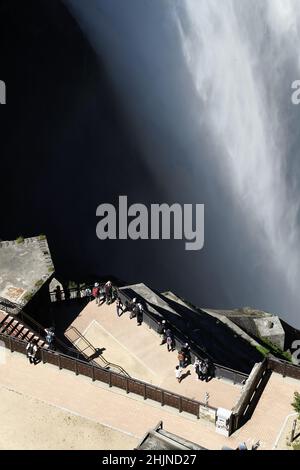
58,294
204,370
161,330
139,314
187,353
133,308
32,351
120,308
108,292
50,337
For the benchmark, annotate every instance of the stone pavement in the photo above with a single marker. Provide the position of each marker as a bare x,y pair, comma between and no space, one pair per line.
137,350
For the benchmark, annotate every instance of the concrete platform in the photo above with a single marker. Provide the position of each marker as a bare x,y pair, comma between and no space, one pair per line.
137,350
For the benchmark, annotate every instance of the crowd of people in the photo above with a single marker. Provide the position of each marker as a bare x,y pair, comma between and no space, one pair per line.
108,293
202,367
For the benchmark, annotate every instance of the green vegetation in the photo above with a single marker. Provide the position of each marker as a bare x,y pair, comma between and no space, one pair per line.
51,269
296,403
42,237
296,446
275,350
28,296
262,350
20,239
39,283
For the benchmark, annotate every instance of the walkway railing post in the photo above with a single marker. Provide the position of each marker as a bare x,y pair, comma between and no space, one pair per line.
110,384
180,404
145,392
162,398
59,362
127,385
93,373
76,367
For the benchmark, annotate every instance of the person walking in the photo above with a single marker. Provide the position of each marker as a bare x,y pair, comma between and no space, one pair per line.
178,374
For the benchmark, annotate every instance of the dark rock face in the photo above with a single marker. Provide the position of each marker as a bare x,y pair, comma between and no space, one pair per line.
67,146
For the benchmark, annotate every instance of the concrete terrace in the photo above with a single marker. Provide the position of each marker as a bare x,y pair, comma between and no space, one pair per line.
65,395
25,265
137,350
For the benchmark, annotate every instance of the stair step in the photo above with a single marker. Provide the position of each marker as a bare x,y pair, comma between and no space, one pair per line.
6,324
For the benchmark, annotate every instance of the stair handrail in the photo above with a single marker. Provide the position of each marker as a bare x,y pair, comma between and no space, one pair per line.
40,328
103,359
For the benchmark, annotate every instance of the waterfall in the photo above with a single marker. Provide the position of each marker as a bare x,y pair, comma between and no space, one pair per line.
219,72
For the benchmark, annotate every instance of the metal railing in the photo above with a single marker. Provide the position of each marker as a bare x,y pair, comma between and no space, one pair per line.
18,314
106,364
114,379
286,369
180,338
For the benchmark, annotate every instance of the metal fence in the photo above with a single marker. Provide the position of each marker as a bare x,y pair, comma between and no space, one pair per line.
286,369
219,371
113,379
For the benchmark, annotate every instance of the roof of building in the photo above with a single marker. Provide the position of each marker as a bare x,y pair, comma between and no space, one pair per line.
25,265
159,439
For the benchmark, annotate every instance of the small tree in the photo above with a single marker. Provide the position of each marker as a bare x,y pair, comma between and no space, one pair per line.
296,403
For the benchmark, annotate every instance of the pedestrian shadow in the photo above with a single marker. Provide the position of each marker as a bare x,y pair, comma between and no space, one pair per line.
97,353
185,375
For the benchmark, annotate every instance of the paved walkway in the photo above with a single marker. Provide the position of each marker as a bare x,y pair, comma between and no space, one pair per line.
131,414
137,350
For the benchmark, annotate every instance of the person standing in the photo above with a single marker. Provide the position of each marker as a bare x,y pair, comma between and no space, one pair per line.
139,314
108,292
181,359
197,368
161,330
31,351
96,292
187,354
204,370
119,307
169,340
50,337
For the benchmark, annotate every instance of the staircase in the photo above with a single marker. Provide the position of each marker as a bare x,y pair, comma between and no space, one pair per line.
11,326
90,352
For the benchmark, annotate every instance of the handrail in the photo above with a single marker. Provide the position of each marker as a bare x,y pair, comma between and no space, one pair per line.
101,357
114,377
191,342
40,328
